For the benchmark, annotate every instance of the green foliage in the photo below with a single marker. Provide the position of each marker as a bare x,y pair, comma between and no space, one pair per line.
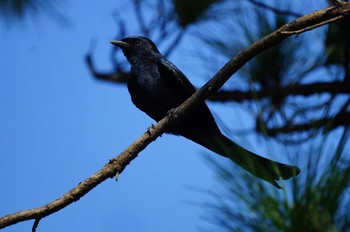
316,200
17,10
272,68
191,11
294,83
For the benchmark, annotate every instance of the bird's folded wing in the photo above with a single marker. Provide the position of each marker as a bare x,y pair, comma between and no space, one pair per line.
176,80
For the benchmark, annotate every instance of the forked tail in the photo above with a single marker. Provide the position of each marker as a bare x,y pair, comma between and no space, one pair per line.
261,167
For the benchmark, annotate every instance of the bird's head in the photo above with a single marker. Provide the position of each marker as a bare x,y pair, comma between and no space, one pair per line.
136,47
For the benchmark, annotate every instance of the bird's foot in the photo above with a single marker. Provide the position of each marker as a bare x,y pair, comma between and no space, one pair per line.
149,130
171,113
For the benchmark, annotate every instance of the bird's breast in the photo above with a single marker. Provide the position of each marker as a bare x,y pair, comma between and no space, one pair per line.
148,91
146,78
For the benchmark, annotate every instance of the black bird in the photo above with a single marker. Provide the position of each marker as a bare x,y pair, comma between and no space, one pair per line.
156,86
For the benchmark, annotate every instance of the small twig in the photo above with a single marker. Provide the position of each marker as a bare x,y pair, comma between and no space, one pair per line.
312,27
35,224
342,118
175,43
116,176
141,20
288,90
275,10
164,19
118,76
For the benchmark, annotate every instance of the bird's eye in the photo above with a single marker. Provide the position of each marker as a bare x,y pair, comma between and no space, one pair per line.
137,41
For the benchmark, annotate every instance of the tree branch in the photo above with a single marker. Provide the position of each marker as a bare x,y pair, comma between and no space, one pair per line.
305,90
140,18
341,119
118,76
118,164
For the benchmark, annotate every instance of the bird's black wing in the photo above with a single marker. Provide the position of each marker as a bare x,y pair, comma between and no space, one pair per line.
175,79
200,120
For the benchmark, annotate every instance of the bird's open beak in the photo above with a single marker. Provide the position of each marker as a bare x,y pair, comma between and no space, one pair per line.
120,43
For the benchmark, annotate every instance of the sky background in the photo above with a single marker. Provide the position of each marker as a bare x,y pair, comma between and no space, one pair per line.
59,125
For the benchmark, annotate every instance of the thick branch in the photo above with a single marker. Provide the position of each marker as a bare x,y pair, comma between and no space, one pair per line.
118,164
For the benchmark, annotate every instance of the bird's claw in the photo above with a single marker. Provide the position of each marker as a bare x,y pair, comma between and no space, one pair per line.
171,113
149,130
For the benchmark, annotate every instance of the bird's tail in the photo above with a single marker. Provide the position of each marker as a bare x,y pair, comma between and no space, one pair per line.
261,167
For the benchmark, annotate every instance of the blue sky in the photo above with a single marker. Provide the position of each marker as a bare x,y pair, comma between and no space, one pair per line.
59,125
